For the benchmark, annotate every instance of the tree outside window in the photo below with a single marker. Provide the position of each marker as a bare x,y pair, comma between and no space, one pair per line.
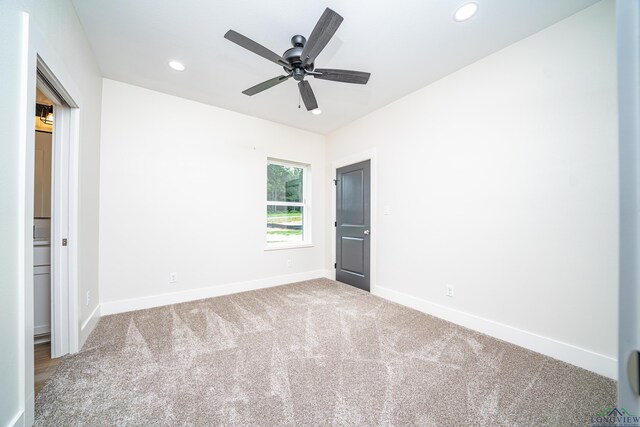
285,203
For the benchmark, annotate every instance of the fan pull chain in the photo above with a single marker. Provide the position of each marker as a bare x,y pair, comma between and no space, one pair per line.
298,100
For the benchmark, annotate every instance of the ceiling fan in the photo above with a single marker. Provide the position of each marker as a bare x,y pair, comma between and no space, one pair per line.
298,61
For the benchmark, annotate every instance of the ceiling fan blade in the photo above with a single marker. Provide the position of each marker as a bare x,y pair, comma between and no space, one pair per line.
256,48
308,97
344,76
325,29
265,85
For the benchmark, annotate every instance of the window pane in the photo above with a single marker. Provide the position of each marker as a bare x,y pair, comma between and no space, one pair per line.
284,183
284,224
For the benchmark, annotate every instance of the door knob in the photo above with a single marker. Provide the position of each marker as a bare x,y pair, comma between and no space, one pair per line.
367,232
633,370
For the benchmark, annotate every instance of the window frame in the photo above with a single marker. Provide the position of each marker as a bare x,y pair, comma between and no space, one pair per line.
305,205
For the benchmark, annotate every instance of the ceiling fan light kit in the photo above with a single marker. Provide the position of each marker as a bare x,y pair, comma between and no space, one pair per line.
298,61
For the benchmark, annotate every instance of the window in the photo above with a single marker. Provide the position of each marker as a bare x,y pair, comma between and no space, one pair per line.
287,213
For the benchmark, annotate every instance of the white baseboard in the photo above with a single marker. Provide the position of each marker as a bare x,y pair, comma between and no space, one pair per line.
583,358
41,330
330,274
88,325
18,420
121,306
577,356
41,339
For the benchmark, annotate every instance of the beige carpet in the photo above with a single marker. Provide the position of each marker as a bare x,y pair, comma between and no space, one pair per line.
314,353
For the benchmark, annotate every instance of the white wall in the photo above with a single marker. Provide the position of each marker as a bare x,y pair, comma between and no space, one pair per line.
51,30
11,264
502,181
183,189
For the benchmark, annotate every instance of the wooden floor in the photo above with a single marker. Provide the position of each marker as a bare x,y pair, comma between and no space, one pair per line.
45,366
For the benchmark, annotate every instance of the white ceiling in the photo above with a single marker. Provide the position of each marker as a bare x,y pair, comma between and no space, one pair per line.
405,44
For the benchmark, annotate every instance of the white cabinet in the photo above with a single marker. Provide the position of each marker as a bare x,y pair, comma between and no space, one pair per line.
42,300
41,289
41,255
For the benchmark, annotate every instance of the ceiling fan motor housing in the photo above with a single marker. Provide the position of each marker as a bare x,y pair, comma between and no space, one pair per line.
293,57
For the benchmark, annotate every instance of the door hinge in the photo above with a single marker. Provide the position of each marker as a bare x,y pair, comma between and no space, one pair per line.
64,242
335,223
335,265
335,182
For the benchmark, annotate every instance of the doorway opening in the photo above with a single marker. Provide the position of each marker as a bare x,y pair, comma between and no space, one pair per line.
54,200
44,120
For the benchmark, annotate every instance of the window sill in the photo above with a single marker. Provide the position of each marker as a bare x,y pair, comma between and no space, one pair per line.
280,247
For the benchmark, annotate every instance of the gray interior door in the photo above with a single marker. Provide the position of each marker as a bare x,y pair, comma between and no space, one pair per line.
353,221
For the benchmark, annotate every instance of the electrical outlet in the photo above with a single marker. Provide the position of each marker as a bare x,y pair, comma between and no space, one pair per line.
289,264
450,291
88,297
173,277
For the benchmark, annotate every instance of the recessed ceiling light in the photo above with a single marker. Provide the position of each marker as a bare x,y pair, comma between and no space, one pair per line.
465,12
176,65
316,111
